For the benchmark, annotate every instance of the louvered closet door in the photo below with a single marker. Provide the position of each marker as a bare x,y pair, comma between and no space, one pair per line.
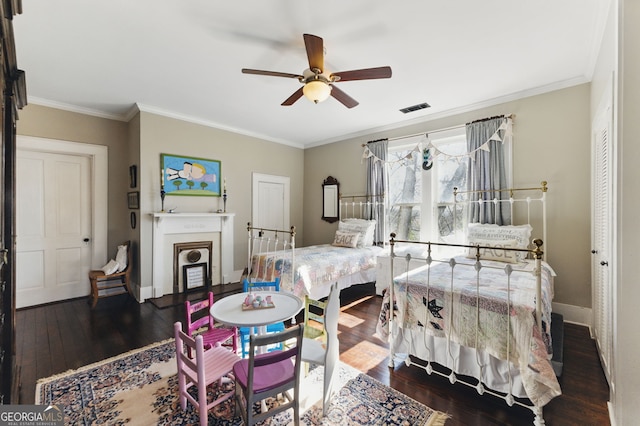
601,249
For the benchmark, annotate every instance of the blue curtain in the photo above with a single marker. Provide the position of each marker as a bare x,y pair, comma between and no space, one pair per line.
377,187
487,172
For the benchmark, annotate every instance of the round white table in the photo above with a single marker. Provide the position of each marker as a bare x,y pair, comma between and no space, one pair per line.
228,310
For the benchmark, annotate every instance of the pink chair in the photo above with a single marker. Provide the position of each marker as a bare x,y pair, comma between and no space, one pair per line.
269,374
207,367
198,317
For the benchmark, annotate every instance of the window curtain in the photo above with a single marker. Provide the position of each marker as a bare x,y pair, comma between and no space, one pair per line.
376,187
487,171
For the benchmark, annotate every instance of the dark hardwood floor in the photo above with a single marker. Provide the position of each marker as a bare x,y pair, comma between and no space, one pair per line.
54,338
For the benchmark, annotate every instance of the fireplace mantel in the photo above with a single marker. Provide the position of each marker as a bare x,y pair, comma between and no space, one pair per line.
189,223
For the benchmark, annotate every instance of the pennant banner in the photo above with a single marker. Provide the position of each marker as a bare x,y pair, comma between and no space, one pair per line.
505,128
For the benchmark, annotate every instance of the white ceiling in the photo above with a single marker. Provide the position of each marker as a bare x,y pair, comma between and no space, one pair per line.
182,58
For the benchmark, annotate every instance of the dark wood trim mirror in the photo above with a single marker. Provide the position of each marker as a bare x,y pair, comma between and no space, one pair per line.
330,200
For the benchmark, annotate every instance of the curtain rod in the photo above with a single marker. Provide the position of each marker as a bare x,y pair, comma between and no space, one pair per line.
491,118
444,129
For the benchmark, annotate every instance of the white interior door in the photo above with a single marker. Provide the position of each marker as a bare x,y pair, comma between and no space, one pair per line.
61,218
270,206
602,215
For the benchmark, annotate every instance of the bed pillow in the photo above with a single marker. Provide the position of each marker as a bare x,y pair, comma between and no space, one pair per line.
500,233
494,250
110,268
490,232
121,258
346,239
363,227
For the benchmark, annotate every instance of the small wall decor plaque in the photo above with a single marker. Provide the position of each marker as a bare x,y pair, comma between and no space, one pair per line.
133,200
133,176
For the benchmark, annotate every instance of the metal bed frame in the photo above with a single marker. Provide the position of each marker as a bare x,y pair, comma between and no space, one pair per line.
536,253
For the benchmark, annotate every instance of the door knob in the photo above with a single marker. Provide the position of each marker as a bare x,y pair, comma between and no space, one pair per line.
604,263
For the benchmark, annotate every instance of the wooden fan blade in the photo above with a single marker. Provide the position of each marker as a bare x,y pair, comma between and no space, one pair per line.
363,74
291,99
345,99
271,73
315,51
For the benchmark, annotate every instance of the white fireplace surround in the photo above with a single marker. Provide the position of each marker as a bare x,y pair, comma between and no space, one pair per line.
166,224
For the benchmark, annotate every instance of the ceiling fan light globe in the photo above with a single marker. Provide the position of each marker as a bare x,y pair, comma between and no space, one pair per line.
316,91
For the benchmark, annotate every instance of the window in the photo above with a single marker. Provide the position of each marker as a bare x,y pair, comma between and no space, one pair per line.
421,201
449,171
404,160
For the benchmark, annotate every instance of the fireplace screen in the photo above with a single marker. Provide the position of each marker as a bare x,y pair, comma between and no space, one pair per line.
195,276
192,265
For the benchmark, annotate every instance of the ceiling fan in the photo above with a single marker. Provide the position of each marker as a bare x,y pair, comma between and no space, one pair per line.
318,85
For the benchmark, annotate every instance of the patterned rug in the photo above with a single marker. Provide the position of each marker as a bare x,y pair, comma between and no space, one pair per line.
140,388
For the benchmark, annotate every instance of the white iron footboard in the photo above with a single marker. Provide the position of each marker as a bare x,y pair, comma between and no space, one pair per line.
279,243
360,206
537,254
464,199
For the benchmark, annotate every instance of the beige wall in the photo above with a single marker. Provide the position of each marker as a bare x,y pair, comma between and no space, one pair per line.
240,157
134,159
551,142
44,122
141,141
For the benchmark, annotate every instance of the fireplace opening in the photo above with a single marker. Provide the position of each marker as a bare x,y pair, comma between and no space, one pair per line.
192,266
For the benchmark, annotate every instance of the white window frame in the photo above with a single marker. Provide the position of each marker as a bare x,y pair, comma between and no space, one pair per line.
428,207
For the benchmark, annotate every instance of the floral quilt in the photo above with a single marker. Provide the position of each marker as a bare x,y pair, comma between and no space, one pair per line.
496,316
313,265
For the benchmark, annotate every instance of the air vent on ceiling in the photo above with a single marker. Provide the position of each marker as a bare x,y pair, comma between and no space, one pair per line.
415,108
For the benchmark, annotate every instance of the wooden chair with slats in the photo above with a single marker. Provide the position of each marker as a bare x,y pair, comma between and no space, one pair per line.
200,370
269,374
314,311
245,332
103,285
198,319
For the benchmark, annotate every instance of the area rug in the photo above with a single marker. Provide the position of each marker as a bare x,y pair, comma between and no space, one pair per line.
140,388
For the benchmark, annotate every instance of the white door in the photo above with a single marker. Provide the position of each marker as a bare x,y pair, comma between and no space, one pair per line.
270,207
61,218
602,215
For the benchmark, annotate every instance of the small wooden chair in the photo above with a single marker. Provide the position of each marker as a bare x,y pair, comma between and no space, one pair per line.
327,352
207,367
119,280
245,332
198,317
314,313
269,374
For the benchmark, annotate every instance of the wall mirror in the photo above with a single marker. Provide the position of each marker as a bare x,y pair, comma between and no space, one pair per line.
330,203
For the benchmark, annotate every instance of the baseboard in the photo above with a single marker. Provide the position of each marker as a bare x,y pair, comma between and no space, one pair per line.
574,314
612,419
236,275
145,293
